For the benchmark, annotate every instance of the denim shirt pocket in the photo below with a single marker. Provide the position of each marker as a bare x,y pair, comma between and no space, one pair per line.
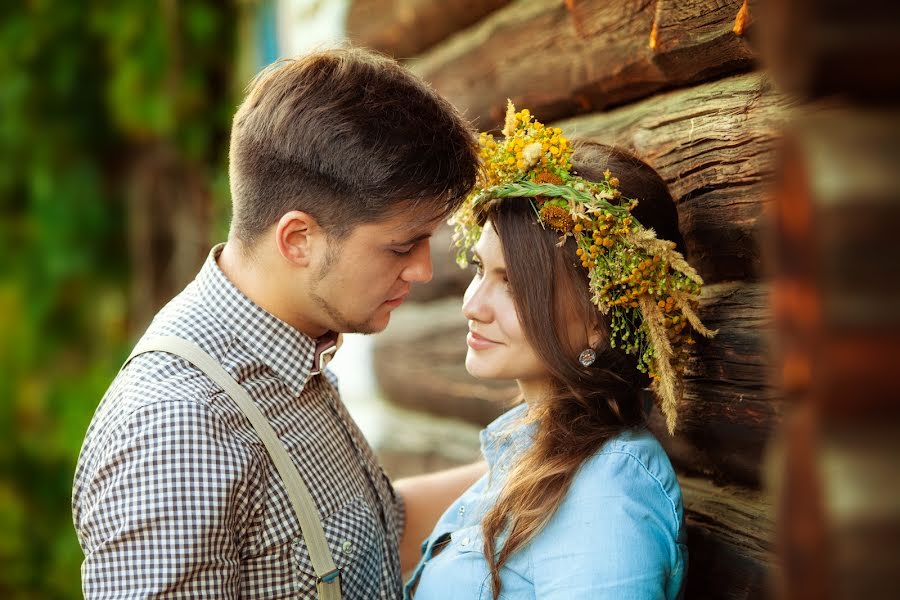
470,541
353,534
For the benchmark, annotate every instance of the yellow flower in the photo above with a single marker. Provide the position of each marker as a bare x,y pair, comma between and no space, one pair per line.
556,217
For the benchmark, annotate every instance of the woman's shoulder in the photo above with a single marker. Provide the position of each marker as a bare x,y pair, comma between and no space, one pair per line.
634,464
624,505
637,446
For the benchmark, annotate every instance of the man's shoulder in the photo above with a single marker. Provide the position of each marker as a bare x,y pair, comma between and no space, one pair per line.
188,317
161,385
154,387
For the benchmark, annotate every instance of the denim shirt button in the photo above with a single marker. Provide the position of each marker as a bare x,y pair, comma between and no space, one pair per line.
464,542
462,510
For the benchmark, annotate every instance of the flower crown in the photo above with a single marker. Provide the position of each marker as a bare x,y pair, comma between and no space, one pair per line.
645,286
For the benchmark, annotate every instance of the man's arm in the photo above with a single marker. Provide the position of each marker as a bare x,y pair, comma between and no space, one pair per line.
159,514
425,498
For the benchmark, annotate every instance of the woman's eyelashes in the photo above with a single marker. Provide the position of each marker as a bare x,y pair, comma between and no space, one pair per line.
479,268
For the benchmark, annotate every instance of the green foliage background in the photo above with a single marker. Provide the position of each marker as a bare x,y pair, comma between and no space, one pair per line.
84,86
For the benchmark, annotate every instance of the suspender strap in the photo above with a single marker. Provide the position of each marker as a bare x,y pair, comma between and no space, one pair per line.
328,576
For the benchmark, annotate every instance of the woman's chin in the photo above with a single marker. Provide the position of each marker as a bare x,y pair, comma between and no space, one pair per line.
478,367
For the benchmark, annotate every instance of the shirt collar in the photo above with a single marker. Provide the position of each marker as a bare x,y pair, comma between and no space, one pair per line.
290,353
509,431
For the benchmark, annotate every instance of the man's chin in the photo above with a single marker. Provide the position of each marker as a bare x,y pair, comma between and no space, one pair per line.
375,324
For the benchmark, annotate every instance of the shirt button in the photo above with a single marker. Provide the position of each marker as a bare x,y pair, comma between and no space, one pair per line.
465,541
347,547
462,510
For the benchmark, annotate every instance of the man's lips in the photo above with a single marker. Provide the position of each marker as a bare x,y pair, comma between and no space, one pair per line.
397,301
479,342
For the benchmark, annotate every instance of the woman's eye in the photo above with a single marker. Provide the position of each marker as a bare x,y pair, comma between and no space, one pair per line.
479,268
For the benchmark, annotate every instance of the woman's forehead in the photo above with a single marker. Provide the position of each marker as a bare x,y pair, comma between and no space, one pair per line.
488,245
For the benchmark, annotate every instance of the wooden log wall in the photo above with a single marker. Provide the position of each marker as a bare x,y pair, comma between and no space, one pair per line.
404,28
562,58
678,84
836,298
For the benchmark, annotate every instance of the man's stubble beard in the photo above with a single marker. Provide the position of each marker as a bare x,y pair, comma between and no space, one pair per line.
344,325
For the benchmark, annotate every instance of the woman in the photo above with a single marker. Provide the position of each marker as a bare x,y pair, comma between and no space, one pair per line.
576,299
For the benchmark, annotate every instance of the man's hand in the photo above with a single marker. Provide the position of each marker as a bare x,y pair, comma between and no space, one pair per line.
426,497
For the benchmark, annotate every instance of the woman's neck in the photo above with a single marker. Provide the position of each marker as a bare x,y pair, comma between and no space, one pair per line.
534,390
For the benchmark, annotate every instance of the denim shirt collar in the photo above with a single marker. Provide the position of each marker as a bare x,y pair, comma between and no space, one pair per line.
507,435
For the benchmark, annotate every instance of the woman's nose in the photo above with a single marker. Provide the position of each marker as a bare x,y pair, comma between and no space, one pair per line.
474,307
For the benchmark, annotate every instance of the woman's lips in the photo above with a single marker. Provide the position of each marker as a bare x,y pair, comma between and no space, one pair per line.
477,342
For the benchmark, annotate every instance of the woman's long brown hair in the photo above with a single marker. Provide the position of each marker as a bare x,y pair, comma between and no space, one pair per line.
586,406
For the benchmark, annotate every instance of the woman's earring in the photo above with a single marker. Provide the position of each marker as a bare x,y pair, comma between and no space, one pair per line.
587,357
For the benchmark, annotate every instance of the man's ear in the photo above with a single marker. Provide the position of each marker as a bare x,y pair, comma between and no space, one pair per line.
296,234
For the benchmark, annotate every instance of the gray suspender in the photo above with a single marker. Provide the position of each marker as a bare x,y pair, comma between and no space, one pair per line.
328,577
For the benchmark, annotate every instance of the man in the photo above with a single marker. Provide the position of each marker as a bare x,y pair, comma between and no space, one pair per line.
342,164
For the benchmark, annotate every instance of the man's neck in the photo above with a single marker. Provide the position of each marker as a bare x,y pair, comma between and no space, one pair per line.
260,282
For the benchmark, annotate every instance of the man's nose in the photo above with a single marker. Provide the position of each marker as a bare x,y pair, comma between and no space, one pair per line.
420,268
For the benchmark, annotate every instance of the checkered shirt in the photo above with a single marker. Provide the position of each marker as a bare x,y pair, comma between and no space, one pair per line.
175,495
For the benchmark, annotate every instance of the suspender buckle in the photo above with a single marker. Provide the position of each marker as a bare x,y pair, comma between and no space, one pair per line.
330,578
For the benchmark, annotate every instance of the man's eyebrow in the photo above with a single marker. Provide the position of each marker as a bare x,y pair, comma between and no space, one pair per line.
413,240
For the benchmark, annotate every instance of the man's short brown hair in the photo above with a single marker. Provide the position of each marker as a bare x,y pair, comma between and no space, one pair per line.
348,136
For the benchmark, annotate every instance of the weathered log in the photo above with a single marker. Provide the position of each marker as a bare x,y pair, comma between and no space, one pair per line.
403,28
563,58
730,405
714,145
730,541
837,292
419,362
728,413
831,47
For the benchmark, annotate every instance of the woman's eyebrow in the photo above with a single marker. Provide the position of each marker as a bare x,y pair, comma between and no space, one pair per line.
498,270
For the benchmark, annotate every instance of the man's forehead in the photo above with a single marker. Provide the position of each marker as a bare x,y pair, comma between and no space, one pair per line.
413,223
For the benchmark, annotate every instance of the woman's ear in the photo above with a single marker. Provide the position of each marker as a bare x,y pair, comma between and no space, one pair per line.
594,331
594,337
295,236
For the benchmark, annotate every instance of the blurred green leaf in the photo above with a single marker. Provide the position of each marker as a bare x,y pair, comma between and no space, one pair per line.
87,86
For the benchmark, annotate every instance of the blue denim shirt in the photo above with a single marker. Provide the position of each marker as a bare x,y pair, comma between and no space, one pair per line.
618,533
